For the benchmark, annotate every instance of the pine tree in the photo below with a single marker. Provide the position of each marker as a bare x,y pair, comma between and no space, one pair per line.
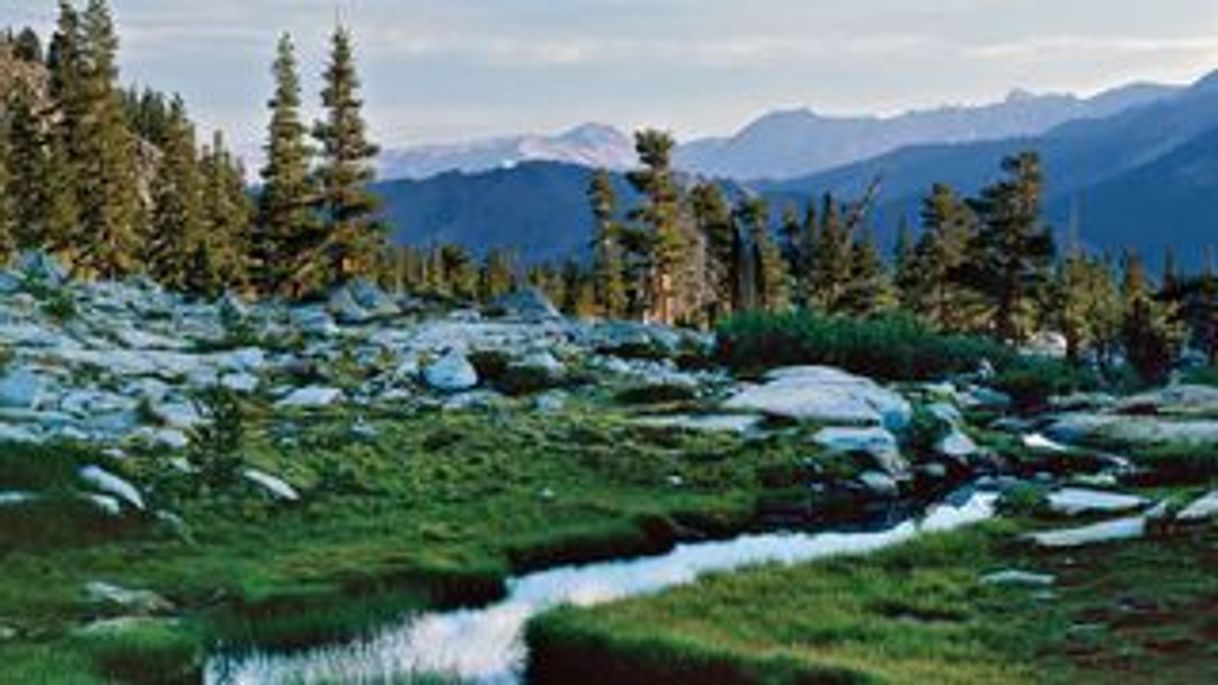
791,231
768,278
660,214
1013,249
8,225
227,214
947,227
498,275
174,252
27,46
609,268
353,237
868,289
1151,335
906,270
27,170
713,220
831,260
285,232
105,153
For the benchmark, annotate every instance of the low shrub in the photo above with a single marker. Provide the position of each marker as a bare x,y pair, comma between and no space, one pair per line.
657,393
1031,381
889,347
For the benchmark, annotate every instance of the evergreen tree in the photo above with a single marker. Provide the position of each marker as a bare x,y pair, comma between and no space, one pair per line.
353,238
227,215
947,227
831,260
175,243
1013,249
906,268
8,217
28,182
660,215
27,46
791,231
1150,333
498,275
285,233
713,220
610,285
868,289
770,288
105,152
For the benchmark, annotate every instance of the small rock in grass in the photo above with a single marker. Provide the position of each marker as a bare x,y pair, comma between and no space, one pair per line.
1018,577
311,397
140,601
277,487
110,484
880,484
1200,510
546,495
1075,501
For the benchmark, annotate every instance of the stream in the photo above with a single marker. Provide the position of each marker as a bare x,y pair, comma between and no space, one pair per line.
485,645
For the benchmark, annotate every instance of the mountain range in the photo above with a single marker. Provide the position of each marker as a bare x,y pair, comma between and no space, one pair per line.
778,145
1138,167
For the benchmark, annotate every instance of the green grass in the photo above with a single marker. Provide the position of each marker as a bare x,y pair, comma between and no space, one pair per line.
435,510
912,614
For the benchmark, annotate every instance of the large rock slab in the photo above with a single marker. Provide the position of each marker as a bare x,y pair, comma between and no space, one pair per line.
451,373
21,388
1203,509
110,484
824,394
1180,400
1135,430
877,443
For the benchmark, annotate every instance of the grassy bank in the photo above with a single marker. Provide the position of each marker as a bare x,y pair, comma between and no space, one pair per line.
398,511
1135,612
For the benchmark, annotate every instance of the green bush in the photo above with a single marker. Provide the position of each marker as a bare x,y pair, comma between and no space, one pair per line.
890,347
1031,382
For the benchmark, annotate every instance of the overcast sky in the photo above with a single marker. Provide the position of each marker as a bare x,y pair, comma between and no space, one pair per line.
439,70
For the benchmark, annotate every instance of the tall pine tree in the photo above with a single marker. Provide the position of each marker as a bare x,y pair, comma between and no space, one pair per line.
609,268
285,232
177,231
660,214
354,239
1013,249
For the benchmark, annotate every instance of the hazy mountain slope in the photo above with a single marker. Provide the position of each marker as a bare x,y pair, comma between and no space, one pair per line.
592,145
798,142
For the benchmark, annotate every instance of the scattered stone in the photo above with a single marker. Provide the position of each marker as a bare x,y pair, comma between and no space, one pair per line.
110,484
529,304
275,486
1203,509
1036,441
1135,430
240,382
824,394
7,633
16,497
877,443
551,402
546,495
880,484
452,373
1075,501
107,503
1108,531
38,266
980,397
374,301
1180,400
21,388
1018,577
958,445
311,397
142,602
714,423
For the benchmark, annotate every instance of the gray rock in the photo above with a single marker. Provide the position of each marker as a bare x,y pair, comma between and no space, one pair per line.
110,484
1036,441
240,382
981,397
1181,400
1108,531
877,443
36,265
1018,577
1075,501
21,388
343,307
451,373
824,394
957,444
713,423
1202,509
273,485
529,304
311,397
372,299
880,484
1135,430
144,602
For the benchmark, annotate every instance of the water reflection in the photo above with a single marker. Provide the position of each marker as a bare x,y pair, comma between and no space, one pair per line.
484,645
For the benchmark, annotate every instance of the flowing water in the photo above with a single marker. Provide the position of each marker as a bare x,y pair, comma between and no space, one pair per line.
485,645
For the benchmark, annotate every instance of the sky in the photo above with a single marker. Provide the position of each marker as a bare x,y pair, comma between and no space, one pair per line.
448,70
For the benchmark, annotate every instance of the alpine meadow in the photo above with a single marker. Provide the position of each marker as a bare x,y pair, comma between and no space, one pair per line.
320,364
